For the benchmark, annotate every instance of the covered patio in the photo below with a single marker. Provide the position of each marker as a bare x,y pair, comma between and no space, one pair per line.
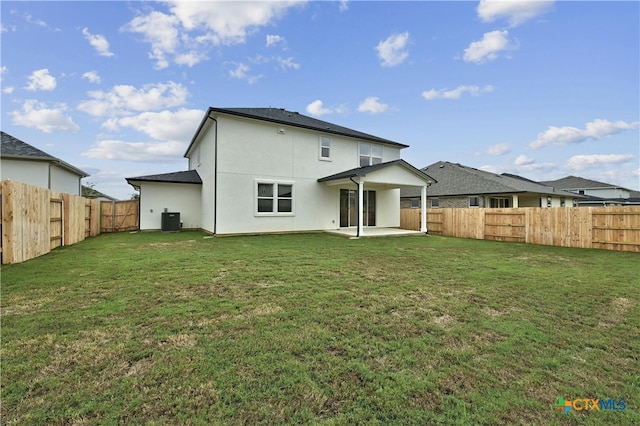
384,176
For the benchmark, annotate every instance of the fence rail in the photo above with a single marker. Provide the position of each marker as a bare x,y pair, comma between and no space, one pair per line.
610,228
36,220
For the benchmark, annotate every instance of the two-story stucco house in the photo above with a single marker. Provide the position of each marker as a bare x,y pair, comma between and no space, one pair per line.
25,163
258,170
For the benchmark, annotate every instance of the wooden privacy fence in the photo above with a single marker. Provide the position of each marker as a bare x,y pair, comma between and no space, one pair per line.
36,220
611,228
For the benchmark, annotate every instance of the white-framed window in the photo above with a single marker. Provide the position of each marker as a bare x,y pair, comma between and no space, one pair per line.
415,204
370,154
474,201
435,203
274,198
499,203
325,148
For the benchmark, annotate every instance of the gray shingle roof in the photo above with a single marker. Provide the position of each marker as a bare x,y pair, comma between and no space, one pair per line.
362,171
576,182
88,192
456,179
12,147
189,176
282,116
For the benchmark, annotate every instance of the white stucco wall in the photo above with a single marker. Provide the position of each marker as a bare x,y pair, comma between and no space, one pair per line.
40,173
175,197
607,192
31,172
250,151
64,181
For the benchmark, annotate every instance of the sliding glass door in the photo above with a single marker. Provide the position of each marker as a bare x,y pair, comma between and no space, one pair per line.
349,210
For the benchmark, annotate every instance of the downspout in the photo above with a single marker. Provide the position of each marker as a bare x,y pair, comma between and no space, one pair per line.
215,178
358,207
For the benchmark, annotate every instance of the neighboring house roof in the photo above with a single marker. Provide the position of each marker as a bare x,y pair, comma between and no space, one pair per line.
575,182
14,148
362,171
93,193
189,176
456,179
289,118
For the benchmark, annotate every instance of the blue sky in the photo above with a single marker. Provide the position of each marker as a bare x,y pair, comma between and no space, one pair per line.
543,89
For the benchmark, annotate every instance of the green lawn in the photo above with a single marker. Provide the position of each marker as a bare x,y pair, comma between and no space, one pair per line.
152,328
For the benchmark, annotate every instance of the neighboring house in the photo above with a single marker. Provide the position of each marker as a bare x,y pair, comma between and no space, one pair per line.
91,193
255,170
460,186
22,162
596,193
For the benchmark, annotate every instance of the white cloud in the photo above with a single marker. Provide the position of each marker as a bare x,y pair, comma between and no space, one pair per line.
164,125
372,105
196,26
151,152
581,162
160,30
92,76
392,51
523,160
455,93
98,41
41,80
274,40
241,73
29,18
595,129
488,48
498,149
515,12
287,63
316,108
124,98
39,116
6,89
190,58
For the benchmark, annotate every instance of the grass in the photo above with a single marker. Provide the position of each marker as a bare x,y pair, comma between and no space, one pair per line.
157,329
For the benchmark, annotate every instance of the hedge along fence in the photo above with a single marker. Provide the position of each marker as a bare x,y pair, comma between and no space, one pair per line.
36,220
610,228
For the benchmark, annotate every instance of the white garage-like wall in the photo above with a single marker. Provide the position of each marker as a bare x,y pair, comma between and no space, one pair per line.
183,198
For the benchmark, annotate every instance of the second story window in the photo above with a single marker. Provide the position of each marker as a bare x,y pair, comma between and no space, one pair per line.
325,147
370,154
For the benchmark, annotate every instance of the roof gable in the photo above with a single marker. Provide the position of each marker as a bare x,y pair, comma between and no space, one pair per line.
363,171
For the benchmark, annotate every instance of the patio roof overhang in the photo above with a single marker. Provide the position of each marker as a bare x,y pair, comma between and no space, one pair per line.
392,174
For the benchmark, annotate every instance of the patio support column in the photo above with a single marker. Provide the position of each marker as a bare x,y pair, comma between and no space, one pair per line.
423,206
360,205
